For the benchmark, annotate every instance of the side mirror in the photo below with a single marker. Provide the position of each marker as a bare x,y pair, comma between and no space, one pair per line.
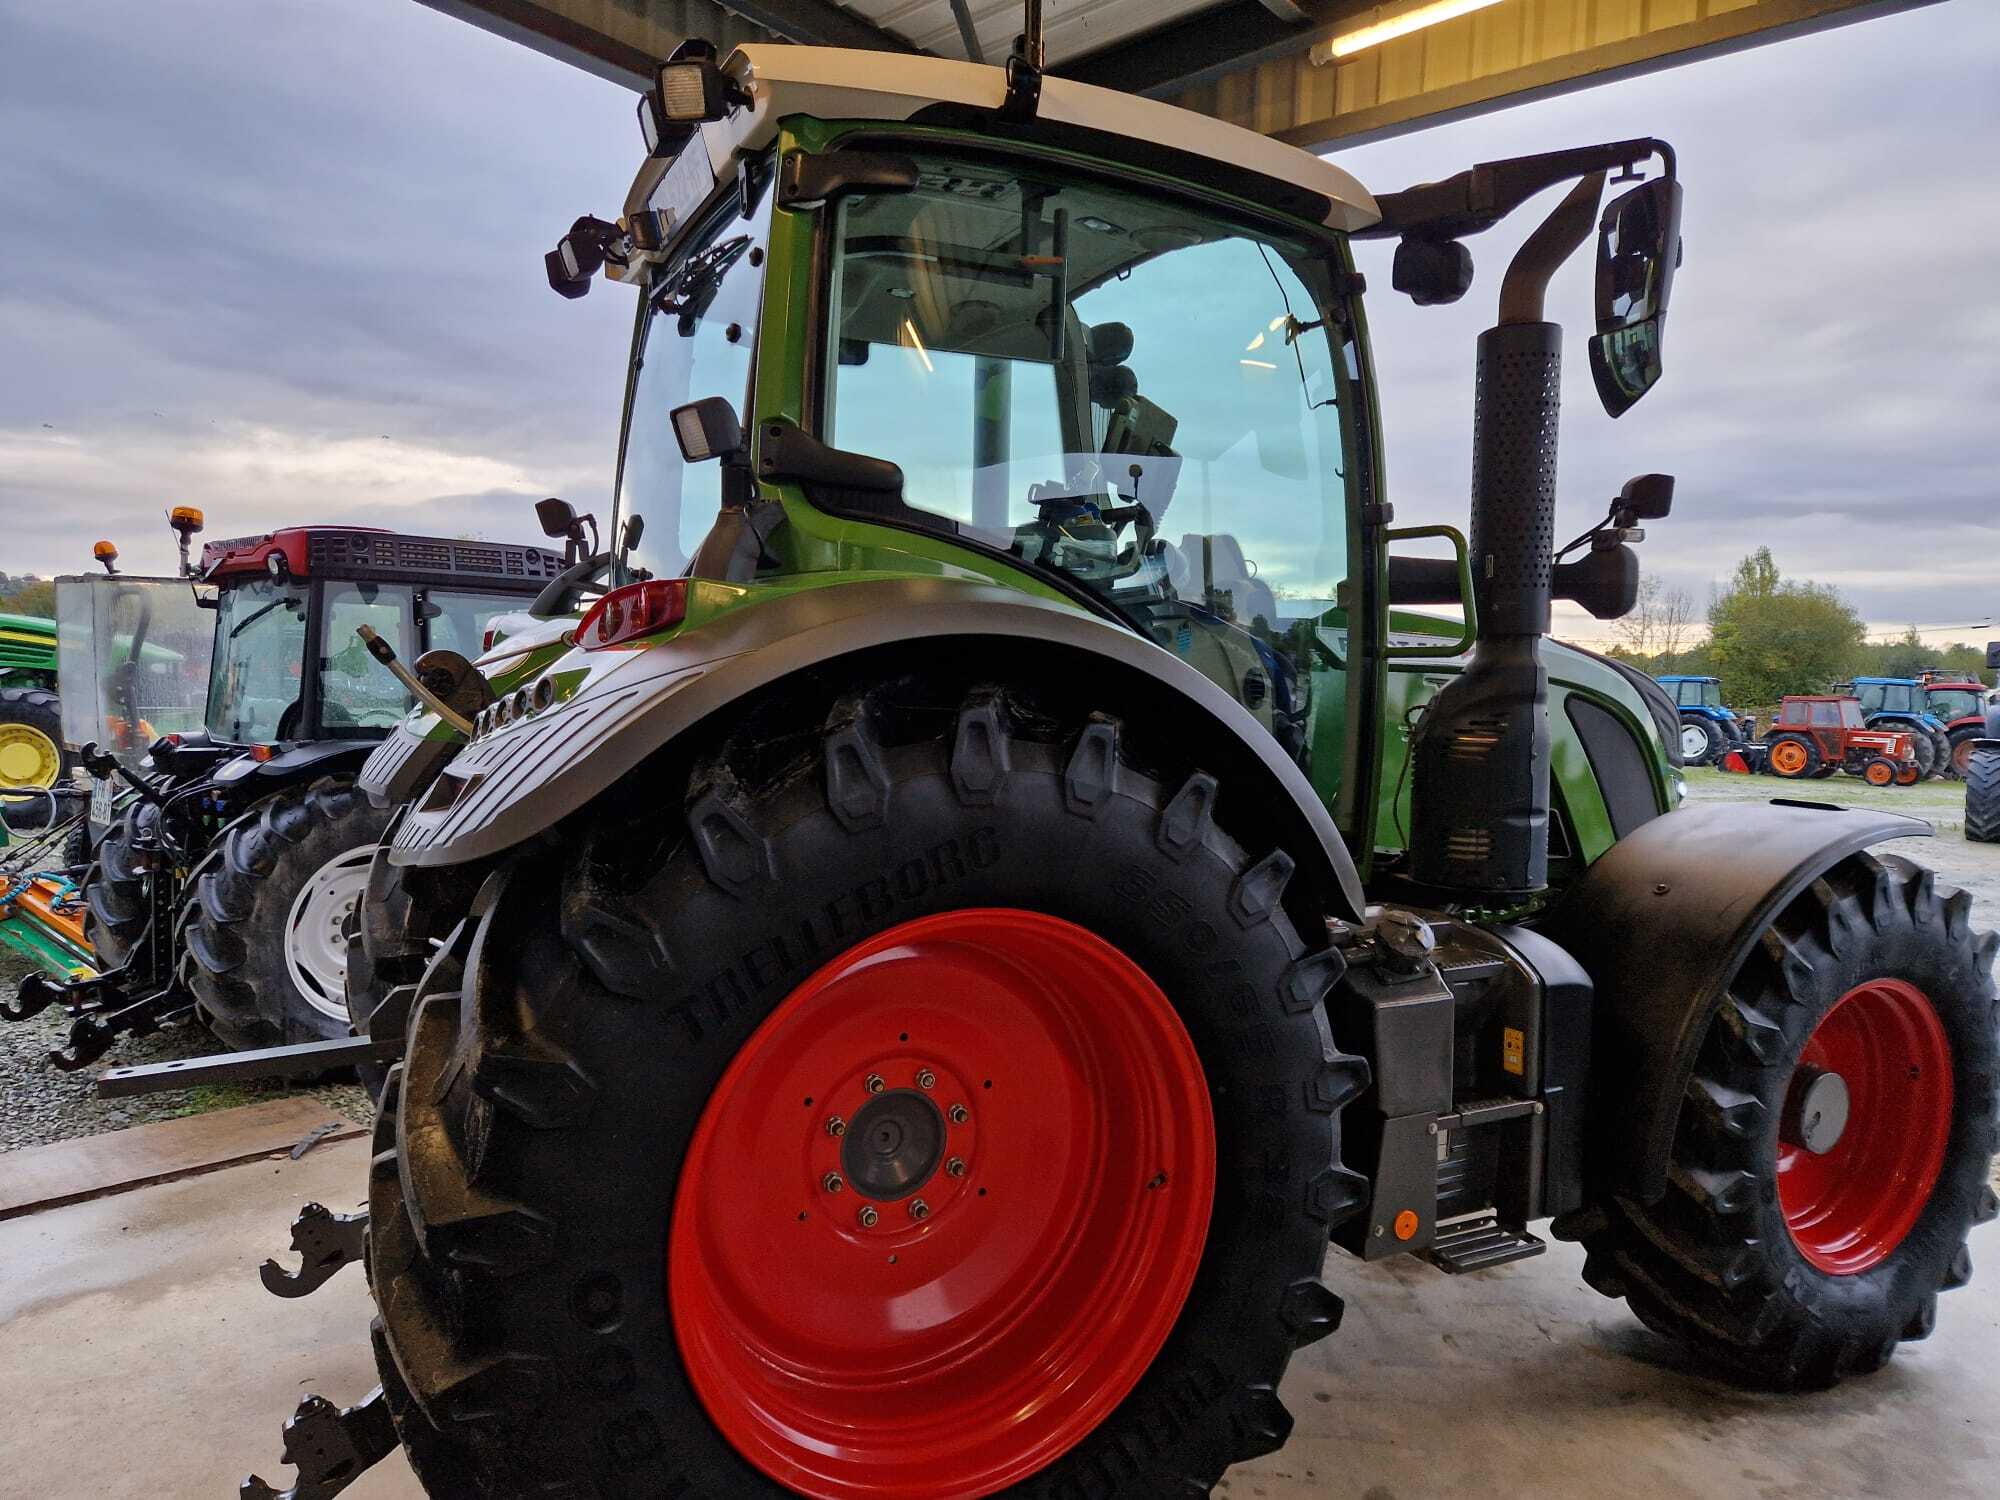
1638,251
558,518
707,429
1431,272
635,527
1648,497
1993,656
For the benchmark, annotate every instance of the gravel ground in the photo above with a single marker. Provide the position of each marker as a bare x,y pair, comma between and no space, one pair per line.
38,1104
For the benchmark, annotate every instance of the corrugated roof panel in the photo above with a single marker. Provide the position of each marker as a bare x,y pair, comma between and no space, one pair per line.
1074,27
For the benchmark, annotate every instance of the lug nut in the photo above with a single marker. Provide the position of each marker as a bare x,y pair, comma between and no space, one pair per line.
925,1078
873,1083
831,1182
919,1209
868,1216
955,1167
836,1127
957,1114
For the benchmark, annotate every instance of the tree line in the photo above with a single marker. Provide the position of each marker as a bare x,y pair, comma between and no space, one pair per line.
1769,635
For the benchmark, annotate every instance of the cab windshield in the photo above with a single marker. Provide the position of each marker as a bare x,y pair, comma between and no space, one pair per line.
1120,388
1954,703
260,646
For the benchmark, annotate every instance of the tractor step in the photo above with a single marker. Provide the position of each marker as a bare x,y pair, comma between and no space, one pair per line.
1479,1242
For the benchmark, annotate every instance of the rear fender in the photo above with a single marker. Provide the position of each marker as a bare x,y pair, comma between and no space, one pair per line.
512,784
248,776
1661,924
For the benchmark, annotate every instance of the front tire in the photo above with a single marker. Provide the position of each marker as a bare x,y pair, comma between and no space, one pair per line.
1788,1251
268,924
1701,742
117,898
572,1185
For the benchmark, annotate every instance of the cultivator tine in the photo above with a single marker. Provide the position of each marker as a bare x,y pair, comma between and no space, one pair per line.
326,1241
329,1447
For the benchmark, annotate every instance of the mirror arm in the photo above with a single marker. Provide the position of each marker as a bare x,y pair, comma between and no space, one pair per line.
1476,199
1558,237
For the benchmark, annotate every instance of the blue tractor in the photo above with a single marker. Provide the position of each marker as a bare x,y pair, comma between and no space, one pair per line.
1901,702
1709,730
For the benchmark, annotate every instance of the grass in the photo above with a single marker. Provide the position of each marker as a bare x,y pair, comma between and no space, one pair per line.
1939,801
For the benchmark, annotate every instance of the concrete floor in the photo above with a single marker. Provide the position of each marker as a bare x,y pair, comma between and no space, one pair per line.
140,1357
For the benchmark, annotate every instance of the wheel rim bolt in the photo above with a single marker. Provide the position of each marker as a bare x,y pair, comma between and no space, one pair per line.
868,1216
873,1083
958,1114
831,1182
955,1167
926,1078
836,1127
919,1209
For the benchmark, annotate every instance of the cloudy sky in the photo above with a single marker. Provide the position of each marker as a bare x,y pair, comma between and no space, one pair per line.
284,261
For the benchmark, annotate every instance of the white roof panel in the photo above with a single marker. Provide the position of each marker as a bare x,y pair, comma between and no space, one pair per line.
834,83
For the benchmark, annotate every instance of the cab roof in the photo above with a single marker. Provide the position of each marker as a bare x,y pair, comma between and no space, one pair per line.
835,83
370,553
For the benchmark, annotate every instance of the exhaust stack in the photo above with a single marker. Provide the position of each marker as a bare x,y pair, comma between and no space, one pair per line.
1480,791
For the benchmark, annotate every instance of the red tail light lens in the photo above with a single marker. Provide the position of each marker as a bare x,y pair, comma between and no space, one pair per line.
635,610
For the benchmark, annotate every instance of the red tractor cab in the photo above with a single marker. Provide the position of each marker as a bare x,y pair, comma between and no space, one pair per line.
1961,704
1815,735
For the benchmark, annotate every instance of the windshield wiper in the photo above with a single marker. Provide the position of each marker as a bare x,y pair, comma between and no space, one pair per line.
690,292
253,619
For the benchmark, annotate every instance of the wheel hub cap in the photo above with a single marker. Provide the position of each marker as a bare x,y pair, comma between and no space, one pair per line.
28,757
1868,1116
322,919
942,1209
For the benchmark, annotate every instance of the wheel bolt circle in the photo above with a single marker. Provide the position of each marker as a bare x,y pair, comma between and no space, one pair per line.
955,1167
836,1127
868,1216
831,1182
873,1083
926,1078
919,1209
957,1114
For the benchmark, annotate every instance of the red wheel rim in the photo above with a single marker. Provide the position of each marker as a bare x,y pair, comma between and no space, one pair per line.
1788,758
1880,773
1849,1208
952,1354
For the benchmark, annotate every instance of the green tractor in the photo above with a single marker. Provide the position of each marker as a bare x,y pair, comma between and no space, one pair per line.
898,998
32,757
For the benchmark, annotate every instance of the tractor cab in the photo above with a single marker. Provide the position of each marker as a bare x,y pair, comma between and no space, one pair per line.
288,665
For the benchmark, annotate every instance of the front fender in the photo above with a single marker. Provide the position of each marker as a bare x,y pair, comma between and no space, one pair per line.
1661,924
509,785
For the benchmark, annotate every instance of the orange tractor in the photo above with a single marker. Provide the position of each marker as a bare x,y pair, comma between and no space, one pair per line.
1814,736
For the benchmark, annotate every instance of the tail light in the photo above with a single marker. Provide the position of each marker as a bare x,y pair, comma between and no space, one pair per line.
635,610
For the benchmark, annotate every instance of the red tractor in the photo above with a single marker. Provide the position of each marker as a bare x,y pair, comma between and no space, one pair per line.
1815,735
1960,702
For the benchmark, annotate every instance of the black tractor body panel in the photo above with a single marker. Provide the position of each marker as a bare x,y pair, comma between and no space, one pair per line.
1661,924
247,776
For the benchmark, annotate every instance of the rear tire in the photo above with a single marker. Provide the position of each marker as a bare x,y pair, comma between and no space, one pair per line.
1793,757
1982,797
1787,1287
1925,747
31,751
405,915
1962,741
267,925
520,1226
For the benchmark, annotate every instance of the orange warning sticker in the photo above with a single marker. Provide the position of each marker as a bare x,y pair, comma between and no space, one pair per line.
1514,1050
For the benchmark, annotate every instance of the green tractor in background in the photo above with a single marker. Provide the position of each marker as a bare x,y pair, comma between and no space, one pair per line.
32,757
898,997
